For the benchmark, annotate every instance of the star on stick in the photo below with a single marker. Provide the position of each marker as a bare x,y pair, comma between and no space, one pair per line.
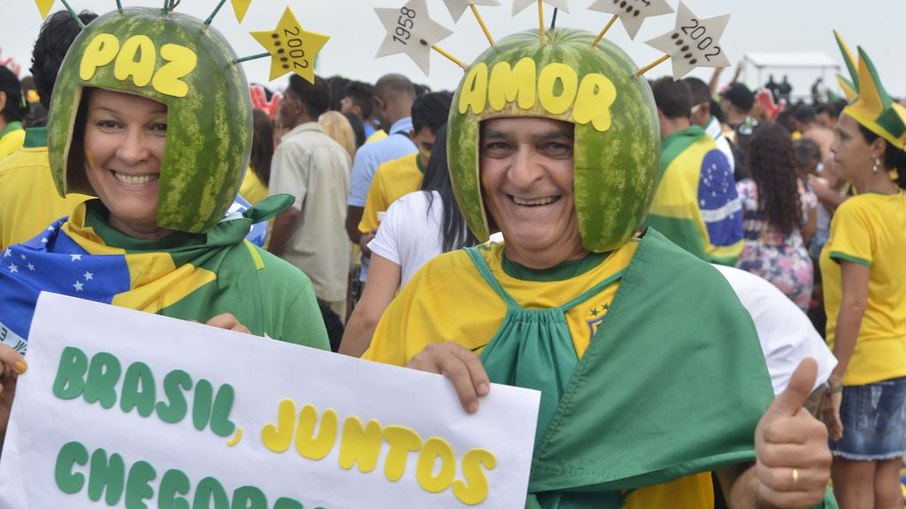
520,5
291,48
240,7
411,31
632,12
694,42
457,7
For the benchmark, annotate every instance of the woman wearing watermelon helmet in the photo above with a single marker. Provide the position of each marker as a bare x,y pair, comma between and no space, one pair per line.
131,125
555,144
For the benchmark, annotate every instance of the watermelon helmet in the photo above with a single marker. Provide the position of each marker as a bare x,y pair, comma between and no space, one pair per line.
616,138
181,62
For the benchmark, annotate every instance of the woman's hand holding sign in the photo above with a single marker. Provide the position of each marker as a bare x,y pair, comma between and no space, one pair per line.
12,364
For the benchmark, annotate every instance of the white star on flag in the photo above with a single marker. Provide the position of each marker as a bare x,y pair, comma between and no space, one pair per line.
75,257
8,253
22,256
520,5
30,267
410,31
88,276
51,228
632,12
78,286
44,240
694,42
13,268
457,7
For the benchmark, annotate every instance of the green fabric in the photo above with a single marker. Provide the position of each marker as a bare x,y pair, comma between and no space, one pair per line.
843,257
10,127
560,272
35,137
534,349
276,299
674,144
683,232
673,384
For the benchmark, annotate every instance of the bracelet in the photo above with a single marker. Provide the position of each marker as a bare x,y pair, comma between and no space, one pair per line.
833,388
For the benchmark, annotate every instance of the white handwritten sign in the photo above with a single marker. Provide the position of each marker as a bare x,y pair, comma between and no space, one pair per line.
694,42
122,408
410,31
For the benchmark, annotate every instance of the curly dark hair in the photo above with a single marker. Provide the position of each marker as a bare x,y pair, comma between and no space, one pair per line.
57,34
772,165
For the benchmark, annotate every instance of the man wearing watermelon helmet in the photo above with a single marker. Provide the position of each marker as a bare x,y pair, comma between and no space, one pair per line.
555,144
130,125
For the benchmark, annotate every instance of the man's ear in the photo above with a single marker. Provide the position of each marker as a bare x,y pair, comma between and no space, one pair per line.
412,135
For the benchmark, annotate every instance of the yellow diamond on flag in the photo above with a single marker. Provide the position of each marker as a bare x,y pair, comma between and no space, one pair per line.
44,7
292,49
240,7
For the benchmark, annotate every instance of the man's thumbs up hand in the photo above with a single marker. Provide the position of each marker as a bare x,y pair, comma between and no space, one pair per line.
792,455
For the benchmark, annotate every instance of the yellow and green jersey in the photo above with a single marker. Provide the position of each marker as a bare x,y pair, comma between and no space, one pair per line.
391,181
252,188
640,357
28,198
870,229
696,205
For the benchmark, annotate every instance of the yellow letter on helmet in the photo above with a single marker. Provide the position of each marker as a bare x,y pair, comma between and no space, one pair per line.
142,69
511,83
556,101
596,95
474,92
99,52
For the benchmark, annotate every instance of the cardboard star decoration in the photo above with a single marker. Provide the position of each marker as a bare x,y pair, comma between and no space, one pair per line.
411,31
457,7
292,49
632,12
520,5
240,7
694,42
44,7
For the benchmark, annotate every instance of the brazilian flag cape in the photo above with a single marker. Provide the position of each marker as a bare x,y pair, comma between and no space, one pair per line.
176,276
696,204
673,384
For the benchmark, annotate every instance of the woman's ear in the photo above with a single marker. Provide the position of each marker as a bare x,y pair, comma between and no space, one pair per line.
879,148
2,101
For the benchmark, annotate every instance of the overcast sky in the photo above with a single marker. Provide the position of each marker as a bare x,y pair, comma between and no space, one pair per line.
356,33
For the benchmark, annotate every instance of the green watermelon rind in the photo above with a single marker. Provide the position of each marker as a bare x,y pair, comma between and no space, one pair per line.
615,171
209,133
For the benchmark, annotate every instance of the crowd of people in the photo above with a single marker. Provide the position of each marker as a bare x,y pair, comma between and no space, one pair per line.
706,290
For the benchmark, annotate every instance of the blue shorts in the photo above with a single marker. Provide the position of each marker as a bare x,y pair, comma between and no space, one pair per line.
874,421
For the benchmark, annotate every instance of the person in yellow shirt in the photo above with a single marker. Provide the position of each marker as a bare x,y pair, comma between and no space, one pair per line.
12,110
865,295
650,370
401,176
28,199
258,174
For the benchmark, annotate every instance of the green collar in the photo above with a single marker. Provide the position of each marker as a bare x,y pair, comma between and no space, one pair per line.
96,215
10,127
35,137
560,272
